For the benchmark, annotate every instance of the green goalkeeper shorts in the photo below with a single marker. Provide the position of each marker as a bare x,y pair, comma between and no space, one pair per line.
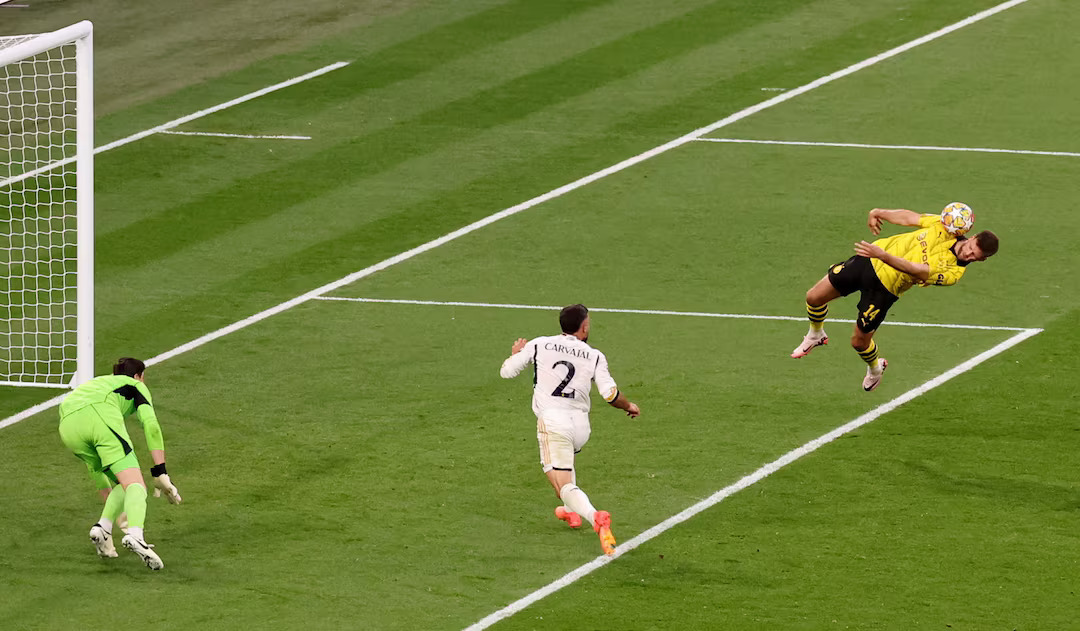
98,436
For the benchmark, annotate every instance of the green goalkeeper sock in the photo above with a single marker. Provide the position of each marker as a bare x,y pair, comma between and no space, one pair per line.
135,505
114,505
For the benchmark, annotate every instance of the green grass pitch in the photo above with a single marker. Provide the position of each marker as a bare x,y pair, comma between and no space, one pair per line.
353,464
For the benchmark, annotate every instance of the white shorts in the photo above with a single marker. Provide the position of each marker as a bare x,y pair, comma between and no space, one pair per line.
561,434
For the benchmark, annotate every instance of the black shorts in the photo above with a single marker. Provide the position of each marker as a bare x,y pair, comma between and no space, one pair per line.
857,274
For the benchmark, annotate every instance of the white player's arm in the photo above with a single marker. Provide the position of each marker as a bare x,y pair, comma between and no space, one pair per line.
605,384
520,358
620,401
920,271
898,216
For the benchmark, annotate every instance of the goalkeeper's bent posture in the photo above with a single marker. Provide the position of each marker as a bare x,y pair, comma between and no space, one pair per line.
92,426
883,270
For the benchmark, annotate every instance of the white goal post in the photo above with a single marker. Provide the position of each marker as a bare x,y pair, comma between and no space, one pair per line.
47,208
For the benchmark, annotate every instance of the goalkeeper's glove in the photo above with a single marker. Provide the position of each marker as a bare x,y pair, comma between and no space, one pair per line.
163,484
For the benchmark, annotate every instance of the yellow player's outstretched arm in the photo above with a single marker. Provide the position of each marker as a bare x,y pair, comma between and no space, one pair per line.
897,216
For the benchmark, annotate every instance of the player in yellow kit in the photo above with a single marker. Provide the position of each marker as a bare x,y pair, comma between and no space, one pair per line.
883,270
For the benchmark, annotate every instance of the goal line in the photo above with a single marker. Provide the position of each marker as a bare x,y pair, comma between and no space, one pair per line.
662,312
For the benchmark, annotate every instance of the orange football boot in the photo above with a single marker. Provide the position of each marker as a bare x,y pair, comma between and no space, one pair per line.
570,517
602,526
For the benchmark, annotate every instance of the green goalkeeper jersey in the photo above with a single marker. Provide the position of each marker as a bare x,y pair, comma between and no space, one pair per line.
124,393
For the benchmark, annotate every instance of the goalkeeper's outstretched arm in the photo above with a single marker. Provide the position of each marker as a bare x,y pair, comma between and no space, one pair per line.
156,443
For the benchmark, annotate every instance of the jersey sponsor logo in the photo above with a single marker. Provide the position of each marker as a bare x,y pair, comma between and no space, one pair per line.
559,348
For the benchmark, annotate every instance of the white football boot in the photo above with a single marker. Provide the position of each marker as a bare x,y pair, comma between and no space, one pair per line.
144,550
872,378
103,542
809,343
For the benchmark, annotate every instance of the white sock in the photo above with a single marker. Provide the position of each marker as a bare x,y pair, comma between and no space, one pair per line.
136,532
106,524
576,500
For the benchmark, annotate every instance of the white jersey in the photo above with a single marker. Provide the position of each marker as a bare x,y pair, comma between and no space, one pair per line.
564,368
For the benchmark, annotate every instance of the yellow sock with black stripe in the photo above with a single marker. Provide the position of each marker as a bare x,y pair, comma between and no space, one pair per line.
817,316
870,355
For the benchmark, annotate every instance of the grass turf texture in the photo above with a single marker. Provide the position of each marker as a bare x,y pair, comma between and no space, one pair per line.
363,464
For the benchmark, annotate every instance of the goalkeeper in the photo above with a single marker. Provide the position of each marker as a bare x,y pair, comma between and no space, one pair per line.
92,426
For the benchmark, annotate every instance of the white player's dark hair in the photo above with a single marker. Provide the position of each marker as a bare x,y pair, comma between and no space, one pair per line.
571,317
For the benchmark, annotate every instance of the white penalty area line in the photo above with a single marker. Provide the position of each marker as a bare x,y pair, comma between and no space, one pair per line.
748,480
223,135
227,104
179,121
660,312
858,145
513,210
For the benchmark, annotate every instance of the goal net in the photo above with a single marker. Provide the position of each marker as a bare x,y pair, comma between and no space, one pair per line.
46,208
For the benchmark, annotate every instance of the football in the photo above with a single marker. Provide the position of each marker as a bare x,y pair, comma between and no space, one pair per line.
957,218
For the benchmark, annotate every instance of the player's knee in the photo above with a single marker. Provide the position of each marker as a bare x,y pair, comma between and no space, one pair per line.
860,341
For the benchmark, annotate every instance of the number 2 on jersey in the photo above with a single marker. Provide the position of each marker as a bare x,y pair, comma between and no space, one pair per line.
558,392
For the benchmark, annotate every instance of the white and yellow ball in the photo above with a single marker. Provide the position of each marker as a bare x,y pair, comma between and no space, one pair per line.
957,218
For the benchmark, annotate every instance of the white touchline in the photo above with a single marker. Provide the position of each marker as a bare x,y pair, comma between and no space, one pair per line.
180,121
746,481
858,145
696,314
513,210
223,135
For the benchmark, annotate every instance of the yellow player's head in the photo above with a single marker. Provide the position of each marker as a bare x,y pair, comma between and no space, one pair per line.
978,248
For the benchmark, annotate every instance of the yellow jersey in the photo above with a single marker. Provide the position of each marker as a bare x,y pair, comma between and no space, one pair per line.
930,244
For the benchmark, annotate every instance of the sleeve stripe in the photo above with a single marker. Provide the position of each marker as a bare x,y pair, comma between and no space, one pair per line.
536,348
613,397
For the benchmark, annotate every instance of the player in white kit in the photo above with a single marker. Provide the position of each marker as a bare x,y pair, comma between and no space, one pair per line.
564,367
